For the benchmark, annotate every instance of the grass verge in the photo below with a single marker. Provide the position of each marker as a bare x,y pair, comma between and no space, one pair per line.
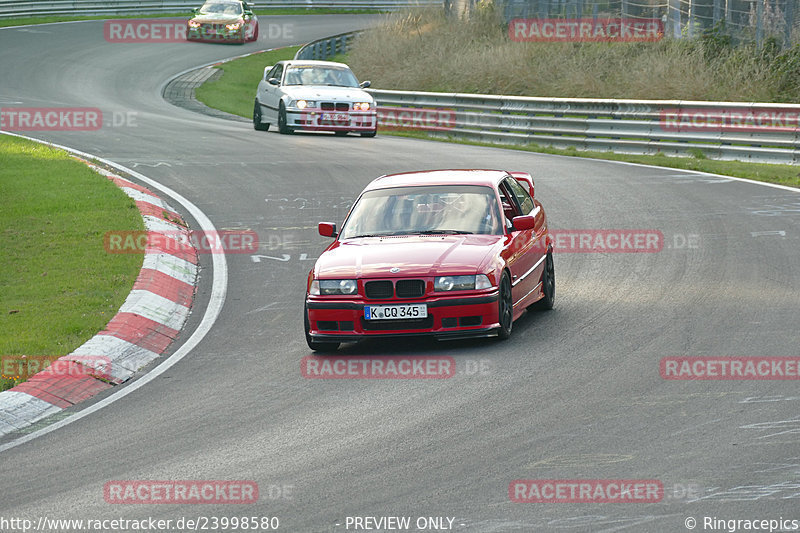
24,21
235,91
58,285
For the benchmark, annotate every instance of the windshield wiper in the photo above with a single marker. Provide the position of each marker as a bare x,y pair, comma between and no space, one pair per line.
370,235
444,232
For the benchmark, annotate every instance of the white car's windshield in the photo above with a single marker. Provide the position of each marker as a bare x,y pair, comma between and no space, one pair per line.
439,209
320,75
221,8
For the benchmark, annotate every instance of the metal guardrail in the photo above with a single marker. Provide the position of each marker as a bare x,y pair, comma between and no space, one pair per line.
24,8
328,47
768,133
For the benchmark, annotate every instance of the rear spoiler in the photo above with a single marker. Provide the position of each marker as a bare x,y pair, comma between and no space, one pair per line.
525,179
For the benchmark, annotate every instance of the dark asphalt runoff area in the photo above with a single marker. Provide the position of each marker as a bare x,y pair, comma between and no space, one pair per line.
575,394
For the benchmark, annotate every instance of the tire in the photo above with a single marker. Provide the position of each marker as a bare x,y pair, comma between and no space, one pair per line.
316,346
257,124
282,127
340,133
505,308
548,286
372,133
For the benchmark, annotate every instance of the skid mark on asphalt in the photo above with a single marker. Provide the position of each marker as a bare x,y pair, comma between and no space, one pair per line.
581,460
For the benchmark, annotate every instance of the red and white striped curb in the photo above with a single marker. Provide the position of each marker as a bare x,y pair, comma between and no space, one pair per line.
150,319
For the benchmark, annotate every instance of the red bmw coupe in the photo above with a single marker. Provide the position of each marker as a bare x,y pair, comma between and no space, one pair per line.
447,253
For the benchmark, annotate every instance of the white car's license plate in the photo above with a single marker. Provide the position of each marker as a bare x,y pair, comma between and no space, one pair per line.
395,312
336,117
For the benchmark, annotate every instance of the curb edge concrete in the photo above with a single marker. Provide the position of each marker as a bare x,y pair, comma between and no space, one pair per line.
147,323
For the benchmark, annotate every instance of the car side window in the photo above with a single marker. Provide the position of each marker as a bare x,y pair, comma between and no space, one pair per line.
277,72
510,209
523,198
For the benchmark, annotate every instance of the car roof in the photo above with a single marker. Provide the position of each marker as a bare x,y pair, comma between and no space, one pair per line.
485,177
294,62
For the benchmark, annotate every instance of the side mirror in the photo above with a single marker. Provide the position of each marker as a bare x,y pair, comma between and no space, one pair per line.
524,222
195,10
274,81
266,71
327,229
248,13
365,84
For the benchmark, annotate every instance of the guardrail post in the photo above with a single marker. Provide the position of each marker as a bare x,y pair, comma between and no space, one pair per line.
675,17
759,22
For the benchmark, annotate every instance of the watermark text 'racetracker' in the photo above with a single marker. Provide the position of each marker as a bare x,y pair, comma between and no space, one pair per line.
585,29
205,242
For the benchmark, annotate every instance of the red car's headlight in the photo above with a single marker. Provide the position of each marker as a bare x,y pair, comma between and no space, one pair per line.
461,283
328,287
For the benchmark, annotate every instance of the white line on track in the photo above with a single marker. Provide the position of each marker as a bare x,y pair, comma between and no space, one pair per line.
219,289
686,171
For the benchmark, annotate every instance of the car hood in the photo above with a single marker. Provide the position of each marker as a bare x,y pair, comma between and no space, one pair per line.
374,257
326,92
217,18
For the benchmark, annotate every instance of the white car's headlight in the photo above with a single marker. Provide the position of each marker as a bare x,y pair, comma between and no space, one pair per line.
328,287
234,26
194,24
461,283
302,104
362,106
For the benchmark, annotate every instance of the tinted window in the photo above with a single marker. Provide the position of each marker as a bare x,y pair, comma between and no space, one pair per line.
425,209
523,198
320,75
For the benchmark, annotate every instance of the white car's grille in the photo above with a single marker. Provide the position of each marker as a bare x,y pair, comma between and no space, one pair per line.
334,106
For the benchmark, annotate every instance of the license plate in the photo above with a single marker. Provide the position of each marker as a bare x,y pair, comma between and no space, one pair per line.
395,312
336,117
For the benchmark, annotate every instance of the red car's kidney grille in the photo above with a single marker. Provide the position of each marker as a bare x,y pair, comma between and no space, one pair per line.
410,288
379,289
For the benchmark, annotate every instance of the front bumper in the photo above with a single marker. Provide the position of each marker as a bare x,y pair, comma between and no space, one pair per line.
319,120
449,317
213,33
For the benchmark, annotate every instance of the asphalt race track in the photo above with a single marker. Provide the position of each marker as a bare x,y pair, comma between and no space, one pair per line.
575,393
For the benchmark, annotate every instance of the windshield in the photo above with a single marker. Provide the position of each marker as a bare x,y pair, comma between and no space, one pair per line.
220,8
439,209
320,75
